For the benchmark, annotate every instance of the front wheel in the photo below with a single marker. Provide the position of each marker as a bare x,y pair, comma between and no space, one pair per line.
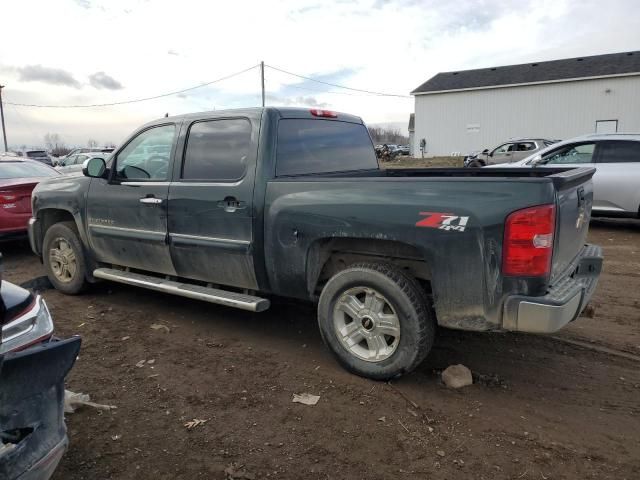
63,258
376,320
476,164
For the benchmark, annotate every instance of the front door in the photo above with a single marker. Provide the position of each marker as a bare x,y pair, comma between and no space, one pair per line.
502,154
127,213
211,200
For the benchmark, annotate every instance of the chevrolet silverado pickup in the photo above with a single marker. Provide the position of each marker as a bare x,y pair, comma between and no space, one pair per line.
232,207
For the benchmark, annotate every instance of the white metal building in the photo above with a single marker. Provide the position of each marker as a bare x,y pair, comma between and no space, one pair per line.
459,112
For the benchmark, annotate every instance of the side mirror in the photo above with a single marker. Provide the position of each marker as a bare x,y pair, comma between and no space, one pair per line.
94,168
485,151
535,160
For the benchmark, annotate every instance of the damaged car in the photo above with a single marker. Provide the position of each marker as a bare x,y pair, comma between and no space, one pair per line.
33,366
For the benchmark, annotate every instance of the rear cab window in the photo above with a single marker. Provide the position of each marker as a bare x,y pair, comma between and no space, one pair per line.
314,146
217,150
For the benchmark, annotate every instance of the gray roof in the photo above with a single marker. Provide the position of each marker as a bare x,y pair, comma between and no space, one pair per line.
569,68
412,122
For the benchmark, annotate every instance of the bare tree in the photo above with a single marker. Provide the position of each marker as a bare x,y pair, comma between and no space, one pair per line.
92,143
55,144
387,135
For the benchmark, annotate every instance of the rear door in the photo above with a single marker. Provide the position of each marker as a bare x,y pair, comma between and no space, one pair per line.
211,201
522,150
617,182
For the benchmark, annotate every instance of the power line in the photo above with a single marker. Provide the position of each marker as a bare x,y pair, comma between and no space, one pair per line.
381,94
326,91
137,100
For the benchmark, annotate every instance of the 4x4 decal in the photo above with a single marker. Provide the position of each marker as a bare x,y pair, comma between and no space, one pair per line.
443,221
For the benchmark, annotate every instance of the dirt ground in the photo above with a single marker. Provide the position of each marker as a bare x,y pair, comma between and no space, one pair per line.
542,407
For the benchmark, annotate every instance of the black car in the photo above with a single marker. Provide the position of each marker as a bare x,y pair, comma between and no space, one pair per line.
33,366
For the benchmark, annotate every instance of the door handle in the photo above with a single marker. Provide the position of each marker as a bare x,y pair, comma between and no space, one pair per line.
151,201
231,204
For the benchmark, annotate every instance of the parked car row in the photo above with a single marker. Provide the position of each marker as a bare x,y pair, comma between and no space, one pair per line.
389,151
71,157
511,151
616,158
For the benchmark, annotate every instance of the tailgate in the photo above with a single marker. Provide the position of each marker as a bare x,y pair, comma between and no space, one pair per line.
574,193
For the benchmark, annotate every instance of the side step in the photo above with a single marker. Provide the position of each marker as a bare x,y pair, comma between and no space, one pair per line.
211,295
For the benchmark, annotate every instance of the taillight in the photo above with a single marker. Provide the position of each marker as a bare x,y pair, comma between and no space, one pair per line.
8,197
528,242
323,113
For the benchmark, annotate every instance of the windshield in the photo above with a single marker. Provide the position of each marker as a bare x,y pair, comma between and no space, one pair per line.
25,170
36,154
323,146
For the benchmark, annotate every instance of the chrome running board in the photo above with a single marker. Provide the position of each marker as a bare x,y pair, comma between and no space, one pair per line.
197,292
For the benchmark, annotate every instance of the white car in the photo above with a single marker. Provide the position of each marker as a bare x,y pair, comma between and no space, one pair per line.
73,163
616,157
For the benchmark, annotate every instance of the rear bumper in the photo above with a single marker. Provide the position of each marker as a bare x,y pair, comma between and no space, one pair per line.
562,304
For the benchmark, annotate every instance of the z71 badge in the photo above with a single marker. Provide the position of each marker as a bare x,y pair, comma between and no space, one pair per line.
443,221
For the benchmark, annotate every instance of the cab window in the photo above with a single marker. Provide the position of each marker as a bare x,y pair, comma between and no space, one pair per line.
620,151
507,147
146,157
570,154
217,150
525,146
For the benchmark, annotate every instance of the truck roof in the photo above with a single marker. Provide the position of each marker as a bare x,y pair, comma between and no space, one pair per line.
283,112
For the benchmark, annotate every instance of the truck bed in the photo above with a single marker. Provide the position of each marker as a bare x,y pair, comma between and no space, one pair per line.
561,176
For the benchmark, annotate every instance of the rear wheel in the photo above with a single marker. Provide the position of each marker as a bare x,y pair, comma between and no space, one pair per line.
63,258
376,320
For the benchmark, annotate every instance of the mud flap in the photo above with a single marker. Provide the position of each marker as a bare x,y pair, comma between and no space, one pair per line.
31,407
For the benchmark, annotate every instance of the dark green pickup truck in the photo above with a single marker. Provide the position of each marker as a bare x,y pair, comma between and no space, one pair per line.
233,206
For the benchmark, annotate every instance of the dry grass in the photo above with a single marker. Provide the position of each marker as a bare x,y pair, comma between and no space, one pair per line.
434,162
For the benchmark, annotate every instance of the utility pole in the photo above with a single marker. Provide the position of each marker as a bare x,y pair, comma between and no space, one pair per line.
262,79
4,129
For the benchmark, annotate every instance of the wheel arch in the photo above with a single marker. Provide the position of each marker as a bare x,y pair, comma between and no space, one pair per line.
327,256
47,217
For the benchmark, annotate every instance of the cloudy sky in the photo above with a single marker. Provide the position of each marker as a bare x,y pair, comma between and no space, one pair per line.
84,52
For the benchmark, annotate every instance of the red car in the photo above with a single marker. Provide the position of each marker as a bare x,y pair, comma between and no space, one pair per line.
18,177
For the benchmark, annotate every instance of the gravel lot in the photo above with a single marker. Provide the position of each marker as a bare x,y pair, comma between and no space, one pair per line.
542,407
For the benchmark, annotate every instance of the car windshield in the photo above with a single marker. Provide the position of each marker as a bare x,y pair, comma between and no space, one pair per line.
25,170
36,154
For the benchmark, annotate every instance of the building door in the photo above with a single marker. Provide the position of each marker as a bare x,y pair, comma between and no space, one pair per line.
606,126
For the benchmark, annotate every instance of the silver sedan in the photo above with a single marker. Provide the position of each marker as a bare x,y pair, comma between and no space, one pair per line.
616,157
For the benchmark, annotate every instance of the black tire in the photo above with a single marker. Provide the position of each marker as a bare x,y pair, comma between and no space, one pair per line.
66,232
476,164
410,305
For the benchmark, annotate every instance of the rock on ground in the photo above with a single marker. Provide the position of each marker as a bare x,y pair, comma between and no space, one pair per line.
457,376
